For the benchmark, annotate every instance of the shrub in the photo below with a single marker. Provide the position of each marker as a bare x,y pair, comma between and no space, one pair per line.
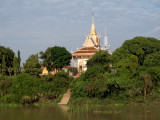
24,85
54,85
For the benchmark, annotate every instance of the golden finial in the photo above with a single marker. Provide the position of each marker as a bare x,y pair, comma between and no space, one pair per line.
93,30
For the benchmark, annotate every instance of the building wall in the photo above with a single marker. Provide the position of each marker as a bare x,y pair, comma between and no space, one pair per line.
80,63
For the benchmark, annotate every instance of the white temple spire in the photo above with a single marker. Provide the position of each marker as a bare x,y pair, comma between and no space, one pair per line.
106,43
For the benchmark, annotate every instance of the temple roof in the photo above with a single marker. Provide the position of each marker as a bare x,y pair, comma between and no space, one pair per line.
92,39
91,45
85,51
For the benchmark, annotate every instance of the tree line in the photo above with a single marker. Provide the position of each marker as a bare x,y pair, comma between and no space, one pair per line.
53,57
130,74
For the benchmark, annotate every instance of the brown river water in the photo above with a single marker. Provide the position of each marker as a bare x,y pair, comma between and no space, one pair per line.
115,112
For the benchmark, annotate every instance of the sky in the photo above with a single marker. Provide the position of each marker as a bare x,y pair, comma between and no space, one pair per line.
32,26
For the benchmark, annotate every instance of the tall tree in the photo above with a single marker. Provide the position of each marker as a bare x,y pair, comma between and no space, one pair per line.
138,55
19,58
10,71
15,65
56,57
140,47
9,56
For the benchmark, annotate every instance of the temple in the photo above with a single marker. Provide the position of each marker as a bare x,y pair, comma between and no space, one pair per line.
90,47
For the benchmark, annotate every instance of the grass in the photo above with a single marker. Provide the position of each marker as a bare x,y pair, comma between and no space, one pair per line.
108,111
10,105
77,109
45,104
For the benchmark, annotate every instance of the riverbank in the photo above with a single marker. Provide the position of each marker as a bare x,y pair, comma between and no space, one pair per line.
27,89
107,101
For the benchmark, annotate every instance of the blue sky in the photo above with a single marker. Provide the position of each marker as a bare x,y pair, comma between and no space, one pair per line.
32,26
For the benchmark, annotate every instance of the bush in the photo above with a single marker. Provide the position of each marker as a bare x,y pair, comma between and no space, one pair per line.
5,85
7,98
24,85
26,89
54,85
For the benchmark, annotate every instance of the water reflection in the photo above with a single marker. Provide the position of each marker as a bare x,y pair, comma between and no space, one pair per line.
125,112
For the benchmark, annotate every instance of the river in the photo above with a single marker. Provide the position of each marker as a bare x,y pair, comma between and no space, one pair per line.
114,112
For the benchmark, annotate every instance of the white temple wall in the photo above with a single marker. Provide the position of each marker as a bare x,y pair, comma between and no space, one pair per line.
77,62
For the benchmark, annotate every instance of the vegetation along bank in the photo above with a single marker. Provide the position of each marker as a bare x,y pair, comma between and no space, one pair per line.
130,74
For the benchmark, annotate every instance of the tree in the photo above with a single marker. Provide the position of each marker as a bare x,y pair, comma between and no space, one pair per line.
9,56
10,71
55,57
32,65
152,60
139,55
100,58
46,57
15,65
19,58
139,47
3,65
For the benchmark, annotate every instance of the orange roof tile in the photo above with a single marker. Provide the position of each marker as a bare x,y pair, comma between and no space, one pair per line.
85,51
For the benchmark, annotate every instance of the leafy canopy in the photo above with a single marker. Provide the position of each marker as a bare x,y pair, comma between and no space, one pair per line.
55,57
100,58
9,56
138,55
139,47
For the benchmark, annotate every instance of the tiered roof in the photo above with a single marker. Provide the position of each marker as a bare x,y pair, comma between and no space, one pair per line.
85,51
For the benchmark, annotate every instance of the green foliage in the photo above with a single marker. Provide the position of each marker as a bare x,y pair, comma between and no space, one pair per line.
110,86
32,65
3,65
46,57
153,71
19,59
78,88
94,71
92,83
10,70
138,46
100,58
9,56
136,53
152,60
55,57
137,57
5,84
60,57
25,88
57,84
15,65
